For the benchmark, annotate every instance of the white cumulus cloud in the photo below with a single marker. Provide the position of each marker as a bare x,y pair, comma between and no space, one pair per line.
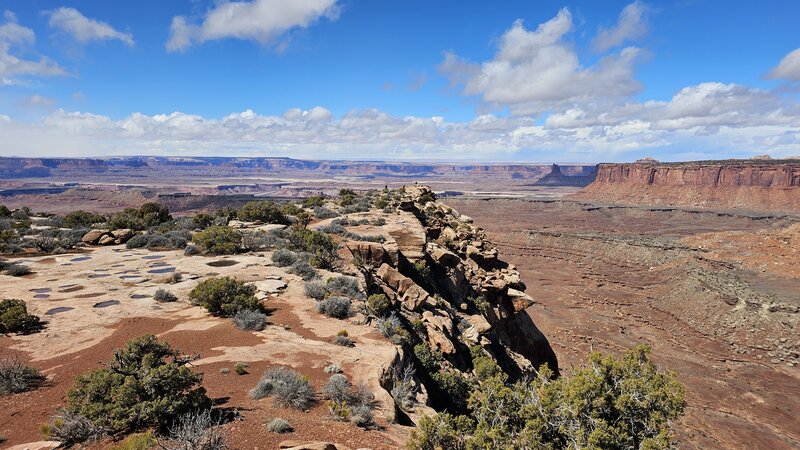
83,29
37,101
15,41
788,68
262,21
537,71
631,24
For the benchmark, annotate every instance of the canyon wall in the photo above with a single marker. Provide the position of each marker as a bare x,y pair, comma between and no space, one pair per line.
754,185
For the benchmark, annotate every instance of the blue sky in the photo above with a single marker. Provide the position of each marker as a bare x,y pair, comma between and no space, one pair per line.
539,81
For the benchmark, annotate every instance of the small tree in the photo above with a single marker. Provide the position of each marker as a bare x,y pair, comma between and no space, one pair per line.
225,296
264,211
218,240
145,384
82,219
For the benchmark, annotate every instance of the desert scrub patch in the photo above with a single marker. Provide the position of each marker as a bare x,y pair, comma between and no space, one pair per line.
392,327
164,296
278,425
344,341
247,319
70,427
333,368
315,289
336,307
340,286
225,296
404,389
198,429
191,250
322,213
287,386
16,376
284,258
347,402
304,270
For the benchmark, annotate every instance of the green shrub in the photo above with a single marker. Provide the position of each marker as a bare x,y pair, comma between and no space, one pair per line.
17,270
14,317
313,201
146,384
240,368
378,305
202,220
4,211
263,211
82,219
442,432
322,248
225,296
613,403
218,240
148,215
290,209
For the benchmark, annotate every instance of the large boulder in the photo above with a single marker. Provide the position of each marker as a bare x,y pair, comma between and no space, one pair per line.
122,236
93,236
107,239
409,294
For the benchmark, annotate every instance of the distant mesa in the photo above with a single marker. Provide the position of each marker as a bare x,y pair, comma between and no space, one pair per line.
558,178
760,184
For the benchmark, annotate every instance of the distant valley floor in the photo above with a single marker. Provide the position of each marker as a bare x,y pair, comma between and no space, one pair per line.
714,294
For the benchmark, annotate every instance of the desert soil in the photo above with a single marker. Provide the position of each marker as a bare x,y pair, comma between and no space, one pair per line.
715,295
95,301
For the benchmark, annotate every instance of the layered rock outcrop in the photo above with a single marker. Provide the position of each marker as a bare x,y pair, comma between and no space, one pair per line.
445,279
757,185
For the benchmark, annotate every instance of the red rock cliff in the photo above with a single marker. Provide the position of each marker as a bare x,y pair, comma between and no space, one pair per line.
738,184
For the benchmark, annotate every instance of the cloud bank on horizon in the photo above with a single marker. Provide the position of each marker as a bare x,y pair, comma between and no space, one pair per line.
561,89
